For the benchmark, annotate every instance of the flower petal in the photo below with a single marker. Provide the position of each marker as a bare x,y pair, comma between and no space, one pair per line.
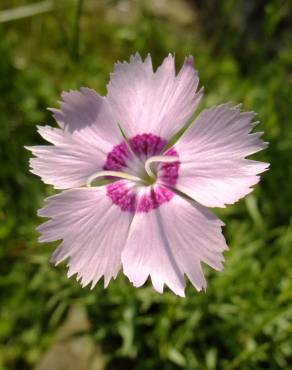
87,112
80,148
93,230
153,102
171,241
213,168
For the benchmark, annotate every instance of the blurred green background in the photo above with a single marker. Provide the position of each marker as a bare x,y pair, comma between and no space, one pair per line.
243,51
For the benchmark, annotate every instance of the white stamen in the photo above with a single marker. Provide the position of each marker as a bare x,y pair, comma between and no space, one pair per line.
119,174
158,158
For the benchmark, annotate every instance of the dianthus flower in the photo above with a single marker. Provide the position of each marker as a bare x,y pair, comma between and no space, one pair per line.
150,217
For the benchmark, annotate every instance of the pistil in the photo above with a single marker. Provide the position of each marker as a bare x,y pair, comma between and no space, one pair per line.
157,158
119,174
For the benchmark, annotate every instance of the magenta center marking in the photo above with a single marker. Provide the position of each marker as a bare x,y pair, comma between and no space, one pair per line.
141,198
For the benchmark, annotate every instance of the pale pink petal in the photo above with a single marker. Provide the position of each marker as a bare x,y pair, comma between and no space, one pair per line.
80,147
153,102
171,241
213,168
93,230
88,113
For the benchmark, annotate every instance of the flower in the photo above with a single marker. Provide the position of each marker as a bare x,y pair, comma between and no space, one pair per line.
150,217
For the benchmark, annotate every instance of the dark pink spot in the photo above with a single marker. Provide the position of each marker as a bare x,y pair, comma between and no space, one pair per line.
169,171
129,200
147,144
158,195
117,159
122,196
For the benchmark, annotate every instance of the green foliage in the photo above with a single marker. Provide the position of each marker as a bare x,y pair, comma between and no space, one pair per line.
243,321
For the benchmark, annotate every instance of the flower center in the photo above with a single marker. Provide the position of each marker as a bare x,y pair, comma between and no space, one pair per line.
143,158
148,170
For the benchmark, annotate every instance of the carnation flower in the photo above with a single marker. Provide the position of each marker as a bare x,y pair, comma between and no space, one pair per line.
150,216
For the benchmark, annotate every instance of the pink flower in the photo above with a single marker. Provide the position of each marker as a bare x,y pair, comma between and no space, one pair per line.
151,218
